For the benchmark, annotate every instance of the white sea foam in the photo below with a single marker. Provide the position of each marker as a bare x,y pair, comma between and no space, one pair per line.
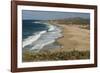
36,22
32,38
51,27
43,38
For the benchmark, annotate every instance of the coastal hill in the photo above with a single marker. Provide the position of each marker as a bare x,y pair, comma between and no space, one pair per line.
82,22
76,20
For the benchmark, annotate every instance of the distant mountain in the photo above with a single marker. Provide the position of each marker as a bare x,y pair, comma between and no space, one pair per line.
76,20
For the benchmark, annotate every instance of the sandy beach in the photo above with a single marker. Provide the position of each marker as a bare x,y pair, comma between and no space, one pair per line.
74,45
74,38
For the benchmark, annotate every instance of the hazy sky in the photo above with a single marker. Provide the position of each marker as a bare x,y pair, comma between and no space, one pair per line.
47,15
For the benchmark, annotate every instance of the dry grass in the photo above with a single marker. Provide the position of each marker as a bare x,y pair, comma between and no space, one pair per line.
51,56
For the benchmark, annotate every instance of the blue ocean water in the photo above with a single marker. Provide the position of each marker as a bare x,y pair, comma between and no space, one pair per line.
36,35
29,27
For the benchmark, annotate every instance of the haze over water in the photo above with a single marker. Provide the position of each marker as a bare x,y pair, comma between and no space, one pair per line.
48,15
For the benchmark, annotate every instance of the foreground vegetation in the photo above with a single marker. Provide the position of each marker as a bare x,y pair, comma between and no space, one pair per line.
50,56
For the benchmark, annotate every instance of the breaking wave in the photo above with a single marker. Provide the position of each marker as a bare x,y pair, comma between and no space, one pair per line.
40,39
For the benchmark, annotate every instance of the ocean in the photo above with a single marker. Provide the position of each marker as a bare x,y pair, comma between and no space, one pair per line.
29,27
36,35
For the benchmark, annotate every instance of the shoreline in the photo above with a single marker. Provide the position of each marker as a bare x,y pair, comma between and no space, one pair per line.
73,38
45,38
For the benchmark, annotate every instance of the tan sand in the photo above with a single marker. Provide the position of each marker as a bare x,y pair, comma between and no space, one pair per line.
75,38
